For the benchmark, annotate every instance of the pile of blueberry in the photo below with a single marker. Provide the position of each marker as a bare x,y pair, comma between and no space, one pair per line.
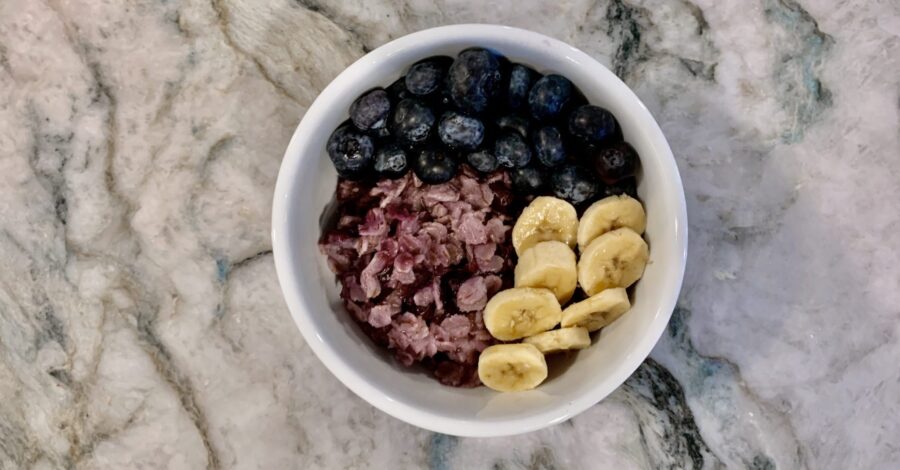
490,113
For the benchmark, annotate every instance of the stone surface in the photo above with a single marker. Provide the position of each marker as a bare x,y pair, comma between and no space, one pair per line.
141,322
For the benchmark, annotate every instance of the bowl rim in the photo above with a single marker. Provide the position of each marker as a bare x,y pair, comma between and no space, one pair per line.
289,276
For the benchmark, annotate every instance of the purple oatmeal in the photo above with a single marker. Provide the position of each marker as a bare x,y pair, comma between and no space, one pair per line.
417,263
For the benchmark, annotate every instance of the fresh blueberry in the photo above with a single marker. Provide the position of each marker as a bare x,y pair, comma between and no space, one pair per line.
616,162
574,184
511,150
350,151
592,124
435,166
521,78
626,186
391,161
412,122
460,131
426,75
475,80
548,145
549,96
528,180
515,123
483,161
371,110
398,92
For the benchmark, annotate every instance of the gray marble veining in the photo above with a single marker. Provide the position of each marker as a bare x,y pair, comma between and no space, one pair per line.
141,323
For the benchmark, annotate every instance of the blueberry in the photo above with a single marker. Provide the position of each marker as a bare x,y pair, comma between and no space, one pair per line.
515,123
435,166
475,80
412,122
528,180
370,111
398,92
574,184
592,124
391,161
626,186
521,78
511,150
616,162
350,151
549,96
460,131
548,145
426,75
483,161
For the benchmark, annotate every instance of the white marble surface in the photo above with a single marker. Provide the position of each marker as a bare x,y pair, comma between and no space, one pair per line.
141,324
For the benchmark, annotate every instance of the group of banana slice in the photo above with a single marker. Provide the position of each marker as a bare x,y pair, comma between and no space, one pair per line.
613,256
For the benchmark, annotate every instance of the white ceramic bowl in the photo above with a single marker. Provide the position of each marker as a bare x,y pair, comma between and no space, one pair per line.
306,184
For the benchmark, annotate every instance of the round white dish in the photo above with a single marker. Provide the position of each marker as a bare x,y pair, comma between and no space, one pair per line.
306,183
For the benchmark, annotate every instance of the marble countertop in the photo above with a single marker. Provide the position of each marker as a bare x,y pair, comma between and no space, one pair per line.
141,322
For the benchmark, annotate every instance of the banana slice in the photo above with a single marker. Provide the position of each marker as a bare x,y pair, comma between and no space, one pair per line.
550,265
609,214
520,312
560,340
546,218
614,259
596,311
512,367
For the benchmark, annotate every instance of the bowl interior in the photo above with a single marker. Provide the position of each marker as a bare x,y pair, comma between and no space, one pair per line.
306,185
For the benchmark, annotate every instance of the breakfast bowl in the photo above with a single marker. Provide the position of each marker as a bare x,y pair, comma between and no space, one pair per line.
306,188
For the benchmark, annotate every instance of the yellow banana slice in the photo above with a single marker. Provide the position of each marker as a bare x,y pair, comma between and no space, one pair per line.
560,340
550,265
609,214
614,259
520,312
546,218
597,311
512,367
